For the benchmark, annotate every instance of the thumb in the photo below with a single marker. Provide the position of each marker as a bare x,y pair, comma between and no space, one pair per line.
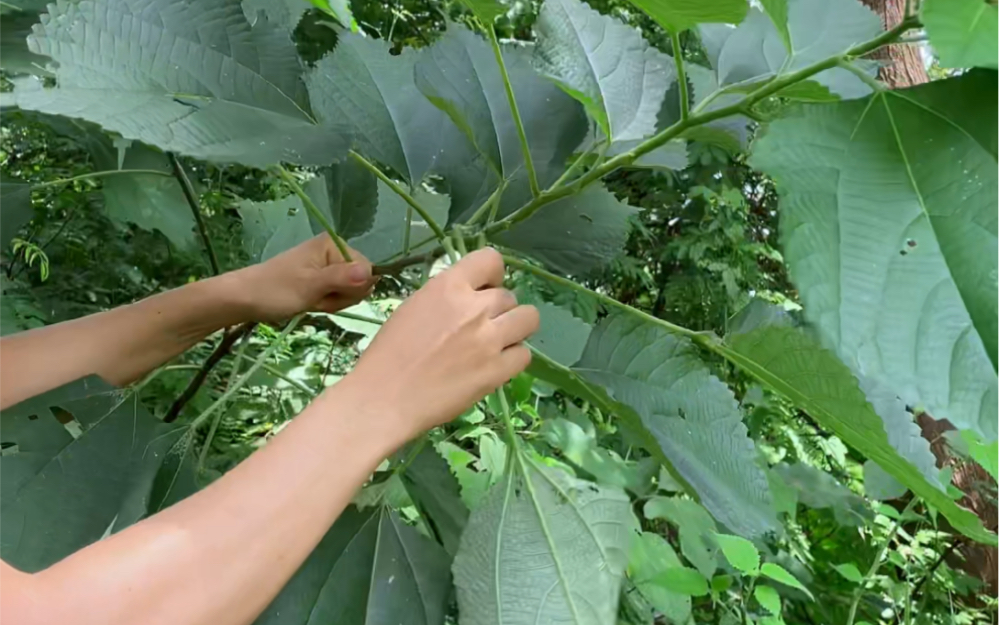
347,277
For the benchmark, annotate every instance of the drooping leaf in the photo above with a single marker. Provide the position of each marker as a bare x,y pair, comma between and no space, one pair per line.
849,571
794,365
579,447
894,262
270,228
435,492
963,33
370,568
696,528
768,598
363,86
692,415
779,574
576,234
226,92
776,10
348,194
78,462
609,67
739,552
651,556
543,547
387,236
817,489
756,50
459,75
15,208
677,15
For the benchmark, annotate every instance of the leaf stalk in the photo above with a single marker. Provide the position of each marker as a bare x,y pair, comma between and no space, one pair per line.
192,200
681,74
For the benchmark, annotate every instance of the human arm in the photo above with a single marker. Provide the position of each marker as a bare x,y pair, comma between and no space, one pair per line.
221,555
123,344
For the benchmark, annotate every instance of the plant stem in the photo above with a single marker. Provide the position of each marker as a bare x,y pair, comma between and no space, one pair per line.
313,210
866,78
681,75
218,419
859,592
101,174
392,184
221,401
507,418
627,158
356,317
192,201
485,209
532,175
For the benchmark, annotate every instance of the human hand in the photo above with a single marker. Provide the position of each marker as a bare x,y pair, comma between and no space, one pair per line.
450,344
309,276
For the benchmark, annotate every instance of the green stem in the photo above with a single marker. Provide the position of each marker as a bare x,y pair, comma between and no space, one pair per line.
486,208
101,174
627,158
532,175
313,210
448,246
407,233
681,75
866,78
192,200
507,417
859,592
240,351
357,317
233,388
392,184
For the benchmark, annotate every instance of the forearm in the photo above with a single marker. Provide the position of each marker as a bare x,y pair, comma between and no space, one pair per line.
123,344
220,556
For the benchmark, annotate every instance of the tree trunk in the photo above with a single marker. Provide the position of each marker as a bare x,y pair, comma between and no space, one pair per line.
902,66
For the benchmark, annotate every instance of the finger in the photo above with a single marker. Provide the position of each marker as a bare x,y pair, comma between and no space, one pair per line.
337,302
347,278
480,269
513,360
498,301
516,325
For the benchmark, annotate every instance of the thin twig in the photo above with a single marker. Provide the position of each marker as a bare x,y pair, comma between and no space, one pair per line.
392,184
228,340
532,175
681,75
101,174
192,200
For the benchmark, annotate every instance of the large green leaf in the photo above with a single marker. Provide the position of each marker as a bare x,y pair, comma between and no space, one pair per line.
370,568
757,51
373,92
964,33
817,489
813,378
347,194
436,493
677,15
576,234
889,226
692,415
272,227
561,336
387,236
284,13
608,66
197,80
544,547
459,74
78,462
651,557
15,208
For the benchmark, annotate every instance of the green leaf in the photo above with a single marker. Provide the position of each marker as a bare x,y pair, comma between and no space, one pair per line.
387,236
696,528
651,556
338,9
524,548
817,382
817,489
284,13
768,598
486,10
459,74
435,492
348,194
368,559
562,336
879,485
149,201
580,448
692,415
777,573
896,266
684,581
363,86
606,65
740,553
982,453
728,133
270,228
757,50
78,462
850,571
15,26
677,15
576,234
963,33
776,10
15,208
474,484
227,92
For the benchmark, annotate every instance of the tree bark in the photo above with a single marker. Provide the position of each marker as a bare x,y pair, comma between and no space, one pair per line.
902,66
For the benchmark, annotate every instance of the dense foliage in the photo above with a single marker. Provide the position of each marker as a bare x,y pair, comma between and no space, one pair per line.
715,428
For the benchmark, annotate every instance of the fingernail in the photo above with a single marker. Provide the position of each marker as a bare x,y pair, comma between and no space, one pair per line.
358,273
